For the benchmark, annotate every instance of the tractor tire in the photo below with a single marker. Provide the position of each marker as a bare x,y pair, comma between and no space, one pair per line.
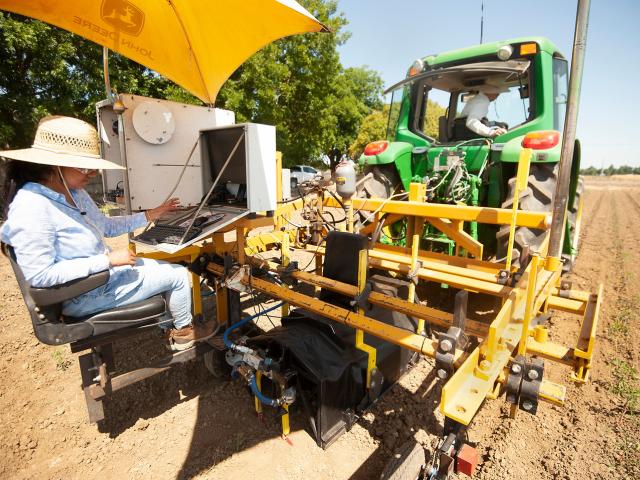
383,182
574,217
537,197
408,464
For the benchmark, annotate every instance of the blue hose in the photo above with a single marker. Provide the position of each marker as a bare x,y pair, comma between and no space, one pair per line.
272,402
228,343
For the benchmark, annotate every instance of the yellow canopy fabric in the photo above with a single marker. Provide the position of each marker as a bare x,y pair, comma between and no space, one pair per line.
196,43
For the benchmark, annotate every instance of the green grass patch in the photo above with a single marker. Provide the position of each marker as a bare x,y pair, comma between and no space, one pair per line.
61,362
626,385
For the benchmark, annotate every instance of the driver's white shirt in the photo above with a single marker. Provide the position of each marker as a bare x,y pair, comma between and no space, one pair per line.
475,110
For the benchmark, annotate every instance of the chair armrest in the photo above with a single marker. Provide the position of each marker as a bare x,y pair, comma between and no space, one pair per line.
66,291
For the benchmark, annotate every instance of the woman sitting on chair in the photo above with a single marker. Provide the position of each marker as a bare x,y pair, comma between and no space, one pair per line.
57,231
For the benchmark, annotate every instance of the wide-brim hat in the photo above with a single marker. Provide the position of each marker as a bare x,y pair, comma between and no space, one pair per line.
64,142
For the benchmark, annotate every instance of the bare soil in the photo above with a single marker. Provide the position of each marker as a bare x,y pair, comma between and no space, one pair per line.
185,423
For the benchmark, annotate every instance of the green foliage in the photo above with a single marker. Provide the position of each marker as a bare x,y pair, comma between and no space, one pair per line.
45,70
611,170
431,122
373,128
626,385
296,84
299,85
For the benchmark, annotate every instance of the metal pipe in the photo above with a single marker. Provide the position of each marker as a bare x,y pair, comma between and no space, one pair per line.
105,70
123,158
561,196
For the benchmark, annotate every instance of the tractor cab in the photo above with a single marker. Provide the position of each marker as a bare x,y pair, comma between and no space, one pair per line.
429,139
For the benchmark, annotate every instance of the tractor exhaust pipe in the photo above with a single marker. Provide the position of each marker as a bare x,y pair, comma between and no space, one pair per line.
561,196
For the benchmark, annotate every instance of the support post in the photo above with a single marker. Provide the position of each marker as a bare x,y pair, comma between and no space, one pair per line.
522,178
561,195
360,345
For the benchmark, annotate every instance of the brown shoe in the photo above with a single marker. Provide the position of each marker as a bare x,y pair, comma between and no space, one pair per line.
186,337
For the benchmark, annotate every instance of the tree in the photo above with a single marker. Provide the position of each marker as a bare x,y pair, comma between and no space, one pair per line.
45,70
432,120
296,84
299,85
373,128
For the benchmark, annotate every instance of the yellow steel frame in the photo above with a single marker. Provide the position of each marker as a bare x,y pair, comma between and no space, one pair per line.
479,373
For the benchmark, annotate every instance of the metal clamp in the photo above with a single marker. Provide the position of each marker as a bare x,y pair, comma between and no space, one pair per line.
412,276
454,338
530,388
361,300
286,273
523,383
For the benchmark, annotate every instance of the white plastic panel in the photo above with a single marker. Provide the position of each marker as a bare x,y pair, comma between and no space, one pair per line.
154,168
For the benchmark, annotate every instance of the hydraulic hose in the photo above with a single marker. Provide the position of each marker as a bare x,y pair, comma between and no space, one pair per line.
272,402
232,346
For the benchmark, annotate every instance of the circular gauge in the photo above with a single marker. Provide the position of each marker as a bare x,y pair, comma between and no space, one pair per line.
154,122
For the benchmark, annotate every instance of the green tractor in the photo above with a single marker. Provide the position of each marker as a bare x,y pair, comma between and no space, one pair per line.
429,141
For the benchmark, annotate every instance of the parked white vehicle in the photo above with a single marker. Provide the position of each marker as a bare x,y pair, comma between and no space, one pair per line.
302,173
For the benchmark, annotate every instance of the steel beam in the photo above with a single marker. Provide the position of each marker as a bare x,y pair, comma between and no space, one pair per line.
496,216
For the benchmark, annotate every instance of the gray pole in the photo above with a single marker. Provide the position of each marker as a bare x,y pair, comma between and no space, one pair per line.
118,108
569,135
105,70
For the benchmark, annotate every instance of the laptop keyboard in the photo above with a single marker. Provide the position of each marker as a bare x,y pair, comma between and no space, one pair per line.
167,234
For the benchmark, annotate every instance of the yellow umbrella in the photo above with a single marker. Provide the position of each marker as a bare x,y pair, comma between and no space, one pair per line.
196,43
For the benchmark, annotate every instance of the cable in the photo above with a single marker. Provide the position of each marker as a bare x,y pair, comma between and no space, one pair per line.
402,194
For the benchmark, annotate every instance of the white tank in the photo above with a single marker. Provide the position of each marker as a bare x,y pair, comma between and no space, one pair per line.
345,176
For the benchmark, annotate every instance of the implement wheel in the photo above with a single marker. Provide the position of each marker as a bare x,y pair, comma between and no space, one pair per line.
537,197
408,464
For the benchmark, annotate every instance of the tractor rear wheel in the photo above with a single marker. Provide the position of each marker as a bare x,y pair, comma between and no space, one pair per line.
537,197
381,181
574,217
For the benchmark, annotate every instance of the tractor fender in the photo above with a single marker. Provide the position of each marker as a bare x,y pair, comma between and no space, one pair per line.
394,152
511,152
398,153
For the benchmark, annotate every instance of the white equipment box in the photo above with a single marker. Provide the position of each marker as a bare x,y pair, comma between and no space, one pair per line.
159,135
252,167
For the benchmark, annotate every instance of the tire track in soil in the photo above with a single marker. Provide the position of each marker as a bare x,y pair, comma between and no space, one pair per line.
556,443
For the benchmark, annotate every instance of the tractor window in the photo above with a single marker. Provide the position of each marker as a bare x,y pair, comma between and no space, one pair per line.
560,92
394,113
510,107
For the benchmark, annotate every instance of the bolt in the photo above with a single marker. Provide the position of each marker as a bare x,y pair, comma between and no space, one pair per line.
442,373
515,368
533,375
527,405
446,345
511,399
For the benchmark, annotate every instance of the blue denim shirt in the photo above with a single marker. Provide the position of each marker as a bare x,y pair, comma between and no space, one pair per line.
55,242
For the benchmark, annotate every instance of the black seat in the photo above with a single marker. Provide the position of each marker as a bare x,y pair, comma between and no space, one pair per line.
341,260
53,328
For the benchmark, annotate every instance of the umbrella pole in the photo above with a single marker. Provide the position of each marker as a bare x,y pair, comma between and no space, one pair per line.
118,108
105,69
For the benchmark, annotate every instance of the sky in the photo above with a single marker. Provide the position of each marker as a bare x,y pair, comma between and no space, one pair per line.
387,36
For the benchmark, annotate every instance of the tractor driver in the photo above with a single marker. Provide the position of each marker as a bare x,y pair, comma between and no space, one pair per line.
477,109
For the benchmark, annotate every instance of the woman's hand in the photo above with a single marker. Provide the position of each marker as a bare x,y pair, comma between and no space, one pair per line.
123,256
168,206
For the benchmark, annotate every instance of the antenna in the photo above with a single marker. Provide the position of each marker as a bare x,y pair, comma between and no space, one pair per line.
481,19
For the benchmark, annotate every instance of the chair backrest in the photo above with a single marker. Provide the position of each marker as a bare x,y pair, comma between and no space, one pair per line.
341,263
46,311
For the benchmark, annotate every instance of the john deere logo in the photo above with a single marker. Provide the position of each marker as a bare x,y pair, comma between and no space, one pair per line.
123,16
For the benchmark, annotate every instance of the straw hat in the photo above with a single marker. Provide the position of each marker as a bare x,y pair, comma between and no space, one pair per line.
64,142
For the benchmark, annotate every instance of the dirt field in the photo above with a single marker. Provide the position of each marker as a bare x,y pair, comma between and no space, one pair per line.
185,423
